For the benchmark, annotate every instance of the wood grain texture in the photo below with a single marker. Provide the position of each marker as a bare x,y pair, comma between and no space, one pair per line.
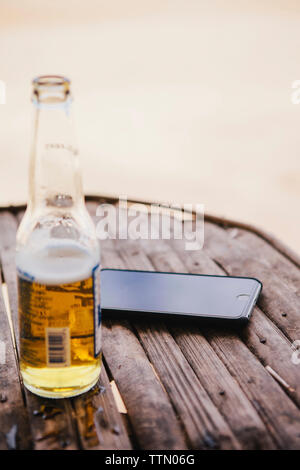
271,239
282,266
51,421
203,423
55,423
261,335
14,422
100,424
245,366
217,381
8,229
134,258
205,426
280,415
183,385
152,417
277,298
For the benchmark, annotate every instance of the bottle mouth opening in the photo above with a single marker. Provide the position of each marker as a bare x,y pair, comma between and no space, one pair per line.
51,88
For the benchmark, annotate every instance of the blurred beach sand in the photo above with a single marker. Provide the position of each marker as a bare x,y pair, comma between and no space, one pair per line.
175,101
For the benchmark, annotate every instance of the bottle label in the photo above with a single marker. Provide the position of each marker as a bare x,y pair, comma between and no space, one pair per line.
58,347
97,310
60,324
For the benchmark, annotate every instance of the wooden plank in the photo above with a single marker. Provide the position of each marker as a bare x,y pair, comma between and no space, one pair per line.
89,421
8,228
277,298
271,239
262,336
53,422
278,412
53,435
269,416
274,407
273,350
14,423
151,415
149,409
261,348
283,267
100,424
204,425
233,404
223,389
269,344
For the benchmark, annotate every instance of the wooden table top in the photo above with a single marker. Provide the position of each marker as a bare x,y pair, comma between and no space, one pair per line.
183,386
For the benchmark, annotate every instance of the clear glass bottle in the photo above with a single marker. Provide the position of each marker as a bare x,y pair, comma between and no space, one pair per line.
57,258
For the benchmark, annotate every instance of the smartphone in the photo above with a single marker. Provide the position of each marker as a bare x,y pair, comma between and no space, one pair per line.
159,294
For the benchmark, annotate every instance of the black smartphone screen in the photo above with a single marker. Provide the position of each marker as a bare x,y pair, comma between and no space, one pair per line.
191,295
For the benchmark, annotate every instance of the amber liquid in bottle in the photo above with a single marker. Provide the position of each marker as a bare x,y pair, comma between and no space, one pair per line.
59,347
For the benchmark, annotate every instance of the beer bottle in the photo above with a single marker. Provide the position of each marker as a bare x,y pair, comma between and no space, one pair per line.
57,258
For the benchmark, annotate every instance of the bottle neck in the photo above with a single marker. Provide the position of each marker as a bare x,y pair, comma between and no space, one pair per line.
55,180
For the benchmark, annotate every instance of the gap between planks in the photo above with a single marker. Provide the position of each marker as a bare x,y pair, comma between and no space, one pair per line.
131,255
57,424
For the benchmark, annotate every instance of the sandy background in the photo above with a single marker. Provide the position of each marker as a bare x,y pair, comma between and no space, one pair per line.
176,101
